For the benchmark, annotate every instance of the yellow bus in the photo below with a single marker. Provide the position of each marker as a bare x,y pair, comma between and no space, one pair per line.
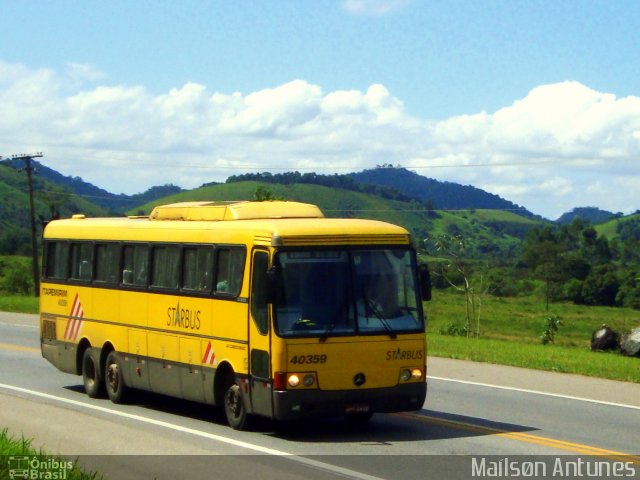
263,308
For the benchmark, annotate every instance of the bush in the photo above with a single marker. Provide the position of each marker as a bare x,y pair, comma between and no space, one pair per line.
16,276
452,328
551,325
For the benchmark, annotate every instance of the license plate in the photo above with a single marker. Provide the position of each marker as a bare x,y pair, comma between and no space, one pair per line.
358,408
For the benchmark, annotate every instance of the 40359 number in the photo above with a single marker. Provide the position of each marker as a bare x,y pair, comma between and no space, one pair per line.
306,359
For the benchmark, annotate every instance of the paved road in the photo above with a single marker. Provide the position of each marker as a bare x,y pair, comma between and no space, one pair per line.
472,411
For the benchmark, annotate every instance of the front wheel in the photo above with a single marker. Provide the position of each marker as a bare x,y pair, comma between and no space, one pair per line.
234,408
114,381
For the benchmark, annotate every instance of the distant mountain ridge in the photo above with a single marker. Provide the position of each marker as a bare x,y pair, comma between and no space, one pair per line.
442,195
392,183
117,203
397,183
591,215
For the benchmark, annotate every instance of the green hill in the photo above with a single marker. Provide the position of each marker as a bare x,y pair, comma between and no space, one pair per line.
613,228
592,215
116,204
50,200
489,231
443,195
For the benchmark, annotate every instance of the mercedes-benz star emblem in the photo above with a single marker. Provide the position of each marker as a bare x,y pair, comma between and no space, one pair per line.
359,379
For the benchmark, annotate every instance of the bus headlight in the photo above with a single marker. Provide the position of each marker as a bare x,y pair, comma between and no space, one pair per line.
293,380
301,380
411,374
308,380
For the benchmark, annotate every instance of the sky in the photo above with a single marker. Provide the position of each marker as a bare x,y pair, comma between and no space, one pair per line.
535,101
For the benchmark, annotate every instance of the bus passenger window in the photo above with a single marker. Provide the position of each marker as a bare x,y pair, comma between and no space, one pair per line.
57,256
135,265
229,270
107,259
81,261
166,267
198,269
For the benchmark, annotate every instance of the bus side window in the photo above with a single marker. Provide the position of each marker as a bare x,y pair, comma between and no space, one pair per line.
56,260
135,265
166,266
229,270
81,261
107,261
198,269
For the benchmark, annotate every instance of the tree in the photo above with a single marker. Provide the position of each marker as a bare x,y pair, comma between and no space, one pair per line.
629,292
542,253
454,249
263,194
601,286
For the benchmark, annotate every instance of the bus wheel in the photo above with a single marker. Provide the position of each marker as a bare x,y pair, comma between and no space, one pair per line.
234,408
114,381
91,376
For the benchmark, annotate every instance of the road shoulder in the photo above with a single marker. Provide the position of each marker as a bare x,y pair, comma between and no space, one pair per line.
564,384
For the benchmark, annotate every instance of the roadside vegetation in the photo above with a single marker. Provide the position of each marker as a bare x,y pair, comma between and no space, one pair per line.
512,330
22,459
539,306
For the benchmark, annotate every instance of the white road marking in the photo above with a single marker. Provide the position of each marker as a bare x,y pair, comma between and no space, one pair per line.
536,392
219,438
19,325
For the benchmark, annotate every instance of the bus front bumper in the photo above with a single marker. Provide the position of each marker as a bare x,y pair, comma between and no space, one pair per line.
295,404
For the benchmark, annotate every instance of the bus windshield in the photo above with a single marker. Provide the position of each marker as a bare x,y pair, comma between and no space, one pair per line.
347,292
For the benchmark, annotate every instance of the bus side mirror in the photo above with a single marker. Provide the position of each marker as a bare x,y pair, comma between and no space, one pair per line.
272,284
425,282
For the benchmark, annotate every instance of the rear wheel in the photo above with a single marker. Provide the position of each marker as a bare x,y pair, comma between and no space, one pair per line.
91,376
114,381
234,408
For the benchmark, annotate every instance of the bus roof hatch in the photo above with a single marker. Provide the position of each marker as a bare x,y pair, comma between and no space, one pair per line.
225,211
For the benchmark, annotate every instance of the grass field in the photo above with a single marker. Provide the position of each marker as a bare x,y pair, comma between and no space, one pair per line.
18,303
510,330
522,319
28,462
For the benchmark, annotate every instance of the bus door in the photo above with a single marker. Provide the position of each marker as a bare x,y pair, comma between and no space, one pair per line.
259,336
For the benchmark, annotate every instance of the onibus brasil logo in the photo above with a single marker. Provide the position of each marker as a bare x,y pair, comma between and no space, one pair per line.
34,468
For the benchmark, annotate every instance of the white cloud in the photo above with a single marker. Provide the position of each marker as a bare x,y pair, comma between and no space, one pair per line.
80,72
563,145
374,7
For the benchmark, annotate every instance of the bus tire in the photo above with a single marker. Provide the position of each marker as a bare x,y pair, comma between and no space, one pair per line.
114,378
92,376
234,408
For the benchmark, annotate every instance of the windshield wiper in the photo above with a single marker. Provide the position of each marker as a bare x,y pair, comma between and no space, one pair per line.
370,306
327,332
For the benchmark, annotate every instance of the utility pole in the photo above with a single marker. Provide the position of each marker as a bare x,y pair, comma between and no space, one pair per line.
34,243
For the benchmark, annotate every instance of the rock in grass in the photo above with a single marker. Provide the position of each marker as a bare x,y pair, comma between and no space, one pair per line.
605,338
630,343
